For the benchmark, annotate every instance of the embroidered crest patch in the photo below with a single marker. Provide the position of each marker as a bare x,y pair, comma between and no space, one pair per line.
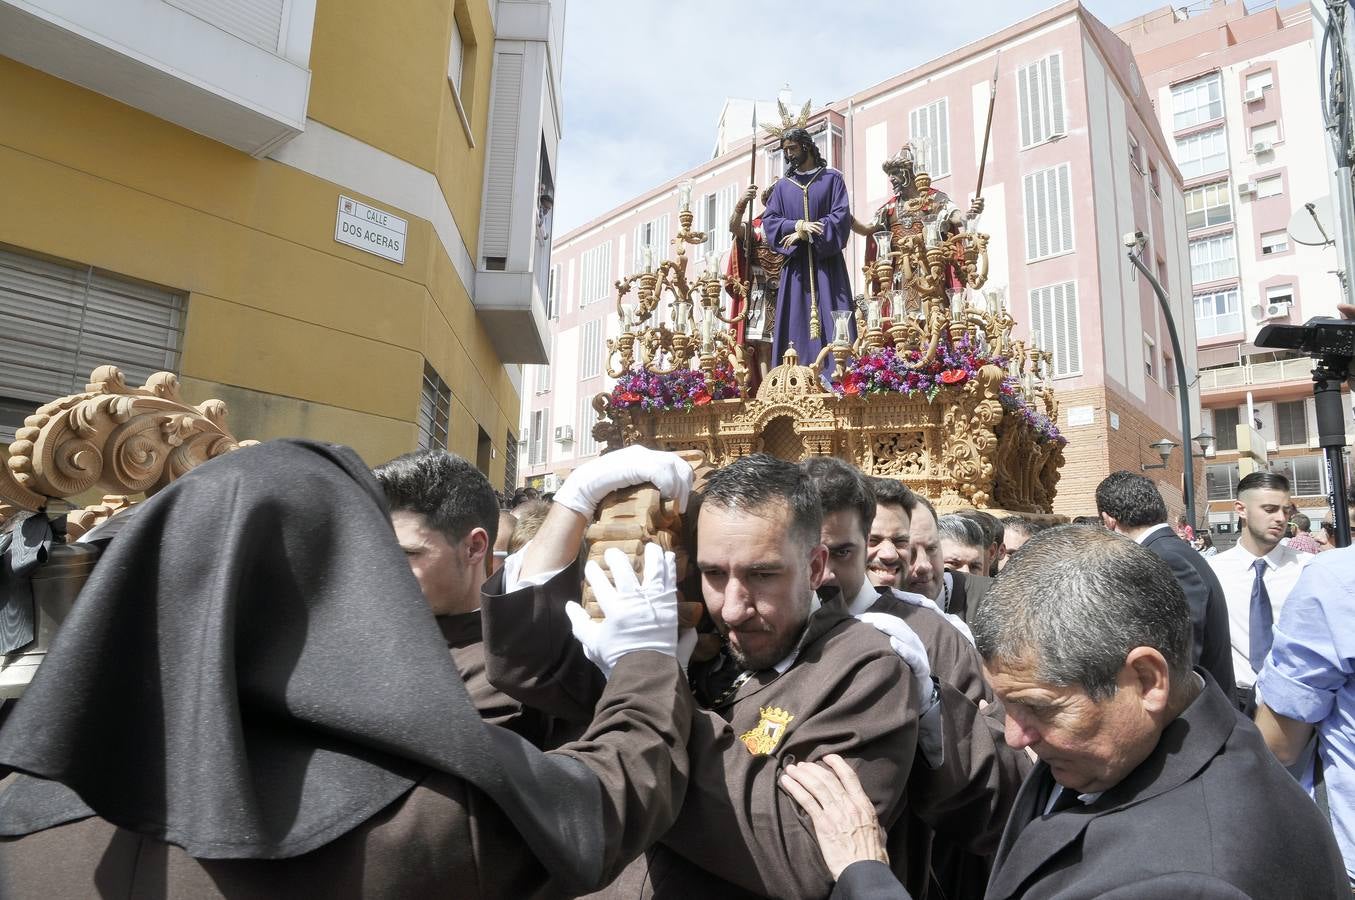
771,727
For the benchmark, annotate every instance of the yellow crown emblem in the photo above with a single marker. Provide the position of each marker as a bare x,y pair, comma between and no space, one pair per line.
771,727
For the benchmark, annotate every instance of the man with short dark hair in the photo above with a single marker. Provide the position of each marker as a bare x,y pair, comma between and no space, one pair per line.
1130,504
796,677
887,550
1257,573
1016,530
954,591
446,520
1149,784
967,797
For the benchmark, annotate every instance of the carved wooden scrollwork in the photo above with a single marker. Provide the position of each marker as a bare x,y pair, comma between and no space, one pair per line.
125,440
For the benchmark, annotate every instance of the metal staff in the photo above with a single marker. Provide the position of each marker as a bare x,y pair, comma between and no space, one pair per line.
988,128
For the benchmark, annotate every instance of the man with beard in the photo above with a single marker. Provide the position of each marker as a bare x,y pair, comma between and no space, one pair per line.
966,799
1257,575
797,677
808,220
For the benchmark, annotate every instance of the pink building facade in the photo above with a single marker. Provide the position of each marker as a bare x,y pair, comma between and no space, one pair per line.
1237,94
1061,190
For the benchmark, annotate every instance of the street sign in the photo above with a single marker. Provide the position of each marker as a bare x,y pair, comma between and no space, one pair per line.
371,229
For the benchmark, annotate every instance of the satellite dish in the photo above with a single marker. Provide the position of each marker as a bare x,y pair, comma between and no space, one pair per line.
1311,224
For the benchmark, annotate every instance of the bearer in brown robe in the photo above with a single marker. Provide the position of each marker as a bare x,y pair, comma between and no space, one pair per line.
966,799
251,699
797,678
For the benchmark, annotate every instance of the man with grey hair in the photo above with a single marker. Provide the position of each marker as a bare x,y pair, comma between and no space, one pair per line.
1087,641
964,546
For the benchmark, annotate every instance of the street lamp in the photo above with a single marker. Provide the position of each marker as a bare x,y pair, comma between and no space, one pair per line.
1135,242
1164,448
1204,439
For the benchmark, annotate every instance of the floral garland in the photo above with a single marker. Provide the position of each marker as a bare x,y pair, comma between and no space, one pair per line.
887,371
683,389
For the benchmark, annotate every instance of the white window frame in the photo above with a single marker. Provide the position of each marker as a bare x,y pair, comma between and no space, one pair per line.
929,130
1264,186
1150,357
1048,198
1054,326
553,293
595,269
1187,103
1274,242
1202,153
456,57
1280,293
590,349
1217,324
538,443
1041,110
1269,132
1221,262
586,445
1212,197
1303,419
1261,81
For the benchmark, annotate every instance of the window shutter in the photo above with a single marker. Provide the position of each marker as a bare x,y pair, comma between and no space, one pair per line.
1065,210
502,160
1054,92
1032,218
1072,338
59,322
1023,89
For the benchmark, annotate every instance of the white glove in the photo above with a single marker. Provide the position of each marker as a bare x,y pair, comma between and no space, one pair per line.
909,648
638,616
585,487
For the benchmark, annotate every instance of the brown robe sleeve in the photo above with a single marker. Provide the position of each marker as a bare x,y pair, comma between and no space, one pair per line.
530,651
737,823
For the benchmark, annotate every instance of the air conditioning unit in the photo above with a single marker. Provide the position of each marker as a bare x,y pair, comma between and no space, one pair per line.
1252,96
1269,310
1272,446
564,434
1246,187
1261,147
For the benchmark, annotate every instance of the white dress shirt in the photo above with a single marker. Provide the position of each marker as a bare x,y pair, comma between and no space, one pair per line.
1234,570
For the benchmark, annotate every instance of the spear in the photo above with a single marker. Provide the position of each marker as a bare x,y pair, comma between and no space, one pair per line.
988,128
748,237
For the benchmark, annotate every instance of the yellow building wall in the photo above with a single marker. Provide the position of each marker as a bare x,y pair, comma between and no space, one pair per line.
301,335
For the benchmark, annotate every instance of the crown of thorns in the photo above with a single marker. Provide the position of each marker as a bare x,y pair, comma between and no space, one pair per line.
788,122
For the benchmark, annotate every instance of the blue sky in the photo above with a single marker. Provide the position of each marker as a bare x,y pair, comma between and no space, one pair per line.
644,80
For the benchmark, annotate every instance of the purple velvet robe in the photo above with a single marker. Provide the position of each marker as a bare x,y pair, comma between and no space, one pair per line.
819,263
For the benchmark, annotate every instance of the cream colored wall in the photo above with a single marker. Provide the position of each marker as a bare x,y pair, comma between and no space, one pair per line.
309,336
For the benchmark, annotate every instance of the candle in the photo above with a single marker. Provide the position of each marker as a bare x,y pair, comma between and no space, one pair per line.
648,256
881,245
628,317
931,234
841,326
873,314
897,307
685,196
707,330
992,302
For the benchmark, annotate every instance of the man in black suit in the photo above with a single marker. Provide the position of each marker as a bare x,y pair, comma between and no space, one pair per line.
926,572
1149,784
1130,504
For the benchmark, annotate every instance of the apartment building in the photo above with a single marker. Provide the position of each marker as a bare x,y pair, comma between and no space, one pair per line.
1077,159
334,216
1237,91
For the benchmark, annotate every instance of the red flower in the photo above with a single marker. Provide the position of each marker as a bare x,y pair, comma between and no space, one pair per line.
851,387
701,398
954,376
630,397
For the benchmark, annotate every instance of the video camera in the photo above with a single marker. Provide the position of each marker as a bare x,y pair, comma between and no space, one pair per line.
1327,339
1332,343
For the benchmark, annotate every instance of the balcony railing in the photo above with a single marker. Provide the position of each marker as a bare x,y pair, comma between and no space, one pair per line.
1249,374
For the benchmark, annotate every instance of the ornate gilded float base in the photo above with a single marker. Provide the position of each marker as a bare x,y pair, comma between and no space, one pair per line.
962,449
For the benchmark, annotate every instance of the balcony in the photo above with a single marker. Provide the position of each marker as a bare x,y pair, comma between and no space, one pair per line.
237,73
1253,374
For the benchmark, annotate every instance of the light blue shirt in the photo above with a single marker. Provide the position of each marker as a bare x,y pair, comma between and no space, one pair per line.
1310,677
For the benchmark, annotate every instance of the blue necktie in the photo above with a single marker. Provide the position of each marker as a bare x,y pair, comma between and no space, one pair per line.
1262,620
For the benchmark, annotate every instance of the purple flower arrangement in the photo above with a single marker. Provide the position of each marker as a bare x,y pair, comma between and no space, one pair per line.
683,389
887,371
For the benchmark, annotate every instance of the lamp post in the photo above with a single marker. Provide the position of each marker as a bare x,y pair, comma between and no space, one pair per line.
1135,241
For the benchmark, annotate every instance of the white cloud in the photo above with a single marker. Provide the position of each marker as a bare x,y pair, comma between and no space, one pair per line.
644,80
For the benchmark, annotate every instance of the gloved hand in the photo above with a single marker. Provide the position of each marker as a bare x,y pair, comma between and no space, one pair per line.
638,616
585,487
909,647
